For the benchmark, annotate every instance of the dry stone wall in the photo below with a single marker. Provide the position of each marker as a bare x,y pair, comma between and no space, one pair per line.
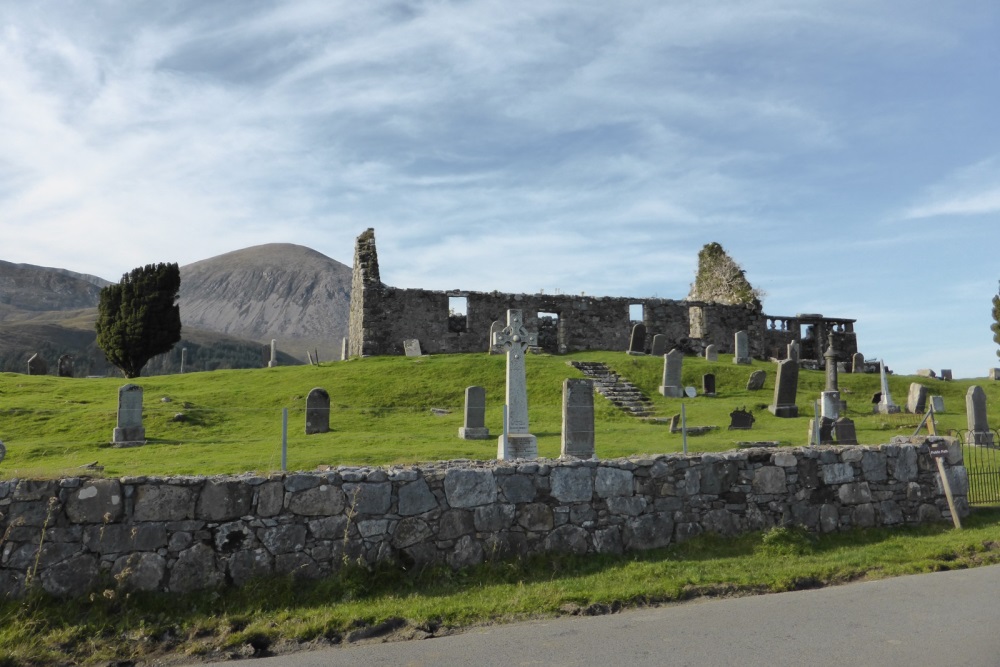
181,534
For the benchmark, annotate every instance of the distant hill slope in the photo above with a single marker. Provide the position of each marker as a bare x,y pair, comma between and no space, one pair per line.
279,290
27,289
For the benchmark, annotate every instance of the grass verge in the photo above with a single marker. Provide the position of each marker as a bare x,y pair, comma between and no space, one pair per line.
278,615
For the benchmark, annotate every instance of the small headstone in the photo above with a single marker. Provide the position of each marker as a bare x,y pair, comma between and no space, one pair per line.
708,384
637,342
946,374
130,431
786,387
792,352
937,402
675,423
741,420
495,328
916,401
474,426
829,402
411,346
741,355
885,405
659,345
858,364
756,380
65,366
844,432
690,392
578,419
37,365
825,431
517,442
995,373
317,411
274,354
711,353
343,349
975,412
672,364
926,373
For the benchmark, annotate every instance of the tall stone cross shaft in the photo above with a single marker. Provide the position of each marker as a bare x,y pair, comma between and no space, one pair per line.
517,443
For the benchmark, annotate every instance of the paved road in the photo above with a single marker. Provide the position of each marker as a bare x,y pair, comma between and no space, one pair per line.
948,618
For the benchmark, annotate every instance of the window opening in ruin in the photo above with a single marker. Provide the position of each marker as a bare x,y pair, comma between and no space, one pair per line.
548,332
458,314
636,312
696,317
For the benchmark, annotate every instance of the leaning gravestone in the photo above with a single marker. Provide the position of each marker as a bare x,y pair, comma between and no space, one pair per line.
65,366
578,419
411,346
756,380
37,365
708,384
916,401
317,411
885,404
741,355
517,441
711,353
975,412
786,387
474,427
130,431
659,345
673,362
637,342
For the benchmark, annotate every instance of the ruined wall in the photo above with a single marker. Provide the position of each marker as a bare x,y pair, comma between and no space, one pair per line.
181,534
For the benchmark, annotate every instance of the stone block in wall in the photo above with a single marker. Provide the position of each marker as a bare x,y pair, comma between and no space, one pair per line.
140,571
321,500
224,500
455,523
164,502
903,466
409,532
571,484
649,531
493,518
855,493
71,577
535,517
416,498
517,488
466,553
119,538
283,539
769,480
469,488
837,473
567,539
96,501
247,564
612,482
270,499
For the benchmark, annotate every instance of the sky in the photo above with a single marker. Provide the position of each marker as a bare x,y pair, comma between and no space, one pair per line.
846,153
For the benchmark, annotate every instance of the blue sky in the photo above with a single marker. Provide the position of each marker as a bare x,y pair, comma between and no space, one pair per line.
847,154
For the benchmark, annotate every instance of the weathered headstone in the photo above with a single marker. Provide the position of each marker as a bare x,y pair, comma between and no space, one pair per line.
184,357
946,374
858,364
343,349
926,373
317,411
756,380
517,442
937,403
130,430
411,347
675,423
474,425
708,384
741,354
37,365
844,432
274,354
916,400
885,405
829,402
741,420
786,387
792,351
495,328
637,342
659,345
578,419
994,373
975,412
672,364
711,353
65,366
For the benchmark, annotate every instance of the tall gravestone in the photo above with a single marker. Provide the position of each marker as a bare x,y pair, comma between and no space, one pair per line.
65,365
37,365
711,353
517,442
885,403
916,400
578,419
659,345
637,342
474,424
274,354
672,386
975,413
786,387
741,355
130,430
830,398
317,411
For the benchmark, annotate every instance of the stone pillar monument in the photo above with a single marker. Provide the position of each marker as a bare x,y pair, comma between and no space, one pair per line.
517,442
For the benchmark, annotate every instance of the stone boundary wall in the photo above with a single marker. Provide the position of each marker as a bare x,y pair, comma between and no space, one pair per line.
180,534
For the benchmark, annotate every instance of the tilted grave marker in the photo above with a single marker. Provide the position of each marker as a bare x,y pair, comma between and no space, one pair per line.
885,404
659,345
786,387
411,346
637,342
916,400
517,442
756,380
37,365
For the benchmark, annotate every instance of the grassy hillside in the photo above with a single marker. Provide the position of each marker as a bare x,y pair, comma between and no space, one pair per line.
388,410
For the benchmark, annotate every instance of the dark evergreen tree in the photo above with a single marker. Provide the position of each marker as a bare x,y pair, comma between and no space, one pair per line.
139,318
995,327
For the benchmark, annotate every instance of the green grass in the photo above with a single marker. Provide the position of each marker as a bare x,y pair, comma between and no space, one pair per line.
283,614
382,414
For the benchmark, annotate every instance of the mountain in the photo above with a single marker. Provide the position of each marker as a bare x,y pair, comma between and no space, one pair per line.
231,307
282,291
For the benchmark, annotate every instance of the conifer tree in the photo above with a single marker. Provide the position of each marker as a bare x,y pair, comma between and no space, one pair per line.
138,318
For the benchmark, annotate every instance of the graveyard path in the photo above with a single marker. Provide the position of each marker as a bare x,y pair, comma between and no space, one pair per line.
945,618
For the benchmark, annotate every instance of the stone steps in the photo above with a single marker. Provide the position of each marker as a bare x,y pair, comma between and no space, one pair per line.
622,393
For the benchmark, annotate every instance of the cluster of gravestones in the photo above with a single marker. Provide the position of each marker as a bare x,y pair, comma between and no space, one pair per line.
38,366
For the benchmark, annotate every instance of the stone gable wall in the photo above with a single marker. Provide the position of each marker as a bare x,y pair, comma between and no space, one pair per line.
181,534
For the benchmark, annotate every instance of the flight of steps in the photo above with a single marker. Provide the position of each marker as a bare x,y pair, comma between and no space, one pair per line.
622,393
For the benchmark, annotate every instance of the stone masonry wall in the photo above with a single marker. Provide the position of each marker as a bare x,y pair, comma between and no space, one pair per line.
185,533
